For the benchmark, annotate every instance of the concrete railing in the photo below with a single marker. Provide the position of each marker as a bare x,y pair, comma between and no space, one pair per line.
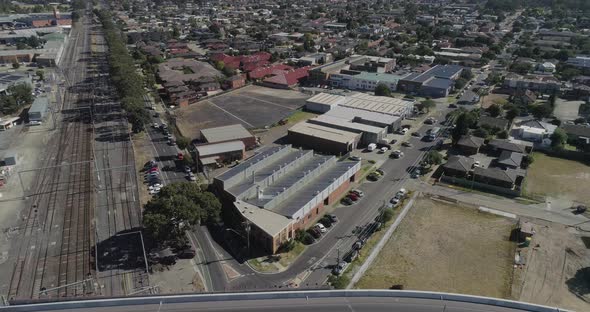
171,299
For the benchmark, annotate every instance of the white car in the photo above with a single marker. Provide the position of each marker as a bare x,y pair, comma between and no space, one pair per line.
383,150
476,164
155,125
157,186
153,192
402,192
321,227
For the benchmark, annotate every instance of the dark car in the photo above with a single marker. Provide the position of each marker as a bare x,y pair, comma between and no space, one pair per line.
351,256
346,201
326,221
452,105
315,232
416,134
353,197
393,141
333,218
379,171
187,253
407,144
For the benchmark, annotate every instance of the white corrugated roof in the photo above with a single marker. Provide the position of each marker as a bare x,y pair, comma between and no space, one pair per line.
324,132
326,99
225,133
219,148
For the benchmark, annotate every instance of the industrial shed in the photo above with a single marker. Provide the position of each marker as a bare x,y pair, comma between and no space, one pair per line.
323,139
39,109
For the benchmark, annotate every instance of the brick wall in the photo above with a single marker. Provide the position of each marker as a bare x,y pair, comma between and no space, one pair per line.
335,196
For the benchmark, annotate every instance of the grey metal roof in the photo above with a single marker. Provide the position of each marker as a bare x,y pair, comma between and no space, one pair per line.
346,124
292,205
262,153
265,171
439,83
40,105
497,174
219,148
225,133
326,133
289,179
352,113
507,145
471,141
438,71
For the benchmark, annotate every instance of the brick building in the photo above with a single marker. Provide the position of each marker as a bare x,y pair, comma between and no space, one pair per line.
280,190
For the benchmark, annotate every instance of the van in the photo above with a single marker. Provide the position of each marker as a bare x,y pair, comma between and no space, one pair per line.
371,147
433,133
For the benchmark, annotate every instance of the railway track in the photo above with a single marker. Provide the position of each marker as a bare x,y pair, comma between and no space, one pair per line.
56,235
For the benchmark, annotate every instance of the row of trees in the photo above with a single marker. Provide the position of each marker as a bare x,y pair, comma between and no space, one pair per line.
128,82
16,97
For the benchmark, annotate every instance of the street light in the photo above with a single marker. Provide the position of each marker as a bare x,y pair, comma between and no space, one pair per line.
247,237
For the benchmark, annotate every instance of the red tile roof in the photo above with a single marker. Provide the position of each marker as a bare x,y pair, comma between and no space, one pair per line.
268,70
290,77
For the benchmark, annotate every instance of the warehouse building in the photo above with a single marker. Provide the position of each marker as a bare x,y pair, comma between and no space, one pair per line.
39,109
324,102
323,139
216,154
281,189
229,133
369,134
436,82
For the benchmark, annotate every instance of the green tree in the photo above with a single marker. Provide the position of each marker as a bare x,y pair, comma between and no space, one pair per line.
8,104
460,83
502,134
219,65
175,32
512,113
494,110
21,93
464,121
521,68
433,158
481,133
382,90
558,138
177,207
182,142
427,105
41,74
541,111
467,74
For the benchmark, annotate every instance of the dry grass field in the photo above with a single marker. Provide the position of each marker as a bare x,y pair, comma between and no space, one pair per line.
442,247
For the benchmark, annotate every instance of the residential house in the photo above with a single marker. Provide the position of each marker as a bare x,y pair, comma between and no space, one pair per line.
496,177
498,145
509,160
534,130
469,145
580,134
458,166
235,82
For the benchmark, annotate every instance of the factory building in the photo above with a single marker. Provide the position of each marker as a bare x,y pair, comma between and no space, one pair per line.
282,189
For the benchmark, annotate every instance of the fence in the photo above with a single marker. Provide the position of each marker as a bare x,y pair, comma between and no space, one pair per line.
482,186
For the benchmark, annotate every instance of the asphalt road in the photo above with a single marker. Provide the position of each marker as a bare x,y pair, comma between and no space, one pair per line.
356,304
165,154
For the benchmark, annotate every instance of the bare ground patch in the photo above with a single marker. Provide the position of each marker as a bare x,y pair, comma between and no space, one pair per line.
557,268
441,247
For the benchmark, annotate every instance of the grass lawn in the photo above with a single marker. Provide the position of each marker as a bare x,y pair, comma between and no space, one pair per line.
441,247
270,265
557,177
299,115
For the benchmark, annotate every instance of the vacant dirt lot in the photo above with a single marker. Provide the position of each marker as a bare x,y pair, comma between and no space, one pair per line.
492,98
441,247
558,178
179,278
252,106
557,272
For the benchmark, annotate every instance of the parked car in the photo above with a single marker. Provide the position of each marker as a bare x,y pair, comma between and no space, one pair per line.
339,268
346,201
315,232
321,227
379,171
353,197
333,218
383,150
180,156
373,176
393,141
358,192
155,125
430,121
477,163
396,154
416,173
187,169
355,158
452,105
402,193
416,134
394,201
325,221
191,177
351,256
407,144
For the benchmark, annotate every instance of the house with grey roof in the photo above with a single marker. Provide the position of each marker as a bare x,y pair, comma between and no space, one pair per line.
469,145
508,159
458,166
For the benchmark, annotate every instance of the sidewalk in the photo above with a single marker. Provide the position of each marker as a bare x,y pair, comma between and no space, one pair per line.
539,211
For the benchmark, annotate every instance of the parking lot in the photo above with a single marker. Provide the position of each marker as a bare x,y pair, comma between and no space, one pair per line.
252,106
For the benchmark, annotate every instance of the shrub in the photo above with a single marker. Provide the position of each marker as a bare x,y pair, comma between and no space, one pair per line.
502,134
338,282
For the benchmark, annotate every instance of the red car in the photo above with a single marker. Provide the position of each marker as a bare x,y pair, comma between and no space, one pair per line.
154,169
180,156
353,197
